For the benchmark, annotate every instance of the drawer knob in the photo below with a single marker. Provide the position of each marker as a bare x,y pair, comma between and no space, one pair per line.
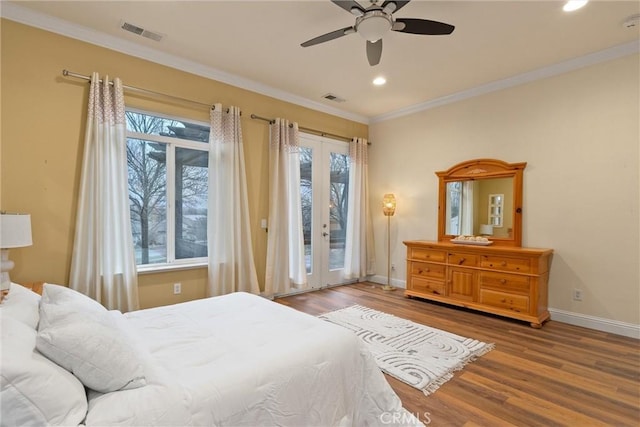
504,263
503,281
462,260
419,271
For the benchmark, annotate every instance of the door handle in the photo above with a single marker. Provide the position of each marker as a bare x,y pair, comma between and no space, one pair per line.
325,234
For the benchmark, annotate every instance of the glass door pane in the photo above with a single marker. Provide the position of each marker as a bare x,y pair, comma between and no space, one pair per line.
338,208
324,187
306,195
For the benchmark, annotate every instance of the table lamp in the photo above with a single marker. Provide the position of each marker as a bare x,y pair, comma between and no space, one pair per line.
486,230
15,232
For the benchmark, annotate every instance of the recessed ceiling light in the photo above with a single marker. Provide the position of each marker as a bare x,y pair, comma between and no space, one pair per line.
379,81
572,5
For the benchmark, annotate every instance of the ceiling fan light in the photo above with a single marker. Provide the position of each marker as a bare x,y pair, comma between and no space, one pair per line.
372,28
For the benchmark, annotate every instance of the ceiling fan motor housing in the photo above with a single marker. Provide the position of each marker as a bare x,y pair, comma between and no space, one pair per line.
373,25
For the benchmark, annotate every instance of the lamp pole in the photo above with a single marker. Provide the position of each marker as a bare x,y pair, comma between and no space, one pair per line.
389,252
389,207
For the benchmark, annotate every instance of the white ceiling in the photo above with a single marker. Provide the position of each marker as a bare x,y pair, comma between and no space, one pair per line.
258,43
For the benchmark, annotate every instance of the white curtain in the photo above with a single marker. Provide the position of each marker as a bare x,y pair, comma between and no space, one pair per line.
231,264
466,205
285,267
103,264
359,260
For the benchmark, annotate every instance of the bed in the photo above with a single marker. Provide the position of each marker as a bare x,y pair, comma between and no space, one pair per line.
234,360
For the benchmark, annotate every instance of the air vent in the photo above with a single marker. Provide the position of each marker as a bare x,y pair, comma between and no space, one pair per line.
334,98
127,26
631,22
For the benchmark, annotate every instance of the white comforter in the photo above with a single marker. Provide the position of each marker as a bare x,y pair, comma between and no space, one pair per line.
241,360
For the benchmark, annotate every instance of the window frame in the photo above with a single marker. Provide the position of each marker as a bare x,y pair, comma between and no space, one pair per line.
171,143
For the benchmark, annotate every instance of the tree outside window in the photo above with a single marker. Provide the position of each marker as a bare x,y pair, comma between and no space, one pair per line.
158,148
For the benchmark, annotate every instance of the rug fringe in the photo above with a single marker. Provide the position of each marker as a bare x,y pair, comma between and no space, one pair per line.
432,387
435,385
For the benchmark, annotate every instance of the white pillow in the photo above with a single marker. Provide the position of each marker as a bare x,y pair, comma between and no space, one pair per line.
35,391
80,335
21,304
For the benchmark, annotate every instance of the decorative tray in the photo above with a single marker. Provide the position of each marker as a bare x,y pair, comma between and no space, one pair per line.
471,242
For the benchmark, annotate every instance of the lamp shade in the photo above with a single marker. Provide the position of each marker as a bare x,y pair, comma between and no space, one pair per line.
389,204
486,229
15,231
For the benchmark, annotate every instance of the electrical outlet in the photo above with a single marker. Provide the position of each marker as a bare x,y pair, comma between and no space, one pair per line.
577,294
393,267
177,288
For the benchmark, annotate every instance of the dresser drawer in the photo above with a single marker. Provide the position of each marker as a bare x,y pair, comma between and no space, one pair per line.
428,255
426,286
513,302
464,260
504,282
423,269
520,265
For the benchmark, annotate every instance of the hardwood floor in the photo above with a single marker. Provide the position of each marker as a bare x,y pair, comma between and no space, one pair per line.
560,375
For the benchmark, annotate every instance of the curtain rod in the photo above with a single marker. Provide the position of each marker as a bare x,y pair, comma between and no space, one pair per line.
68,73
314,131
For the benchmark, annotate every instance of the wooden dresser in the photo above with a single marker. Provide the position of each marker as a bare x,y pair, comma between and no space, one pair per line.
507,281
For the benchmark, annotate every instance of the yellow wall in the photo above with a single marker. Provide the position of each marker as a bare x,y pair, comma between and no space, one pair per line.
42,133
579,133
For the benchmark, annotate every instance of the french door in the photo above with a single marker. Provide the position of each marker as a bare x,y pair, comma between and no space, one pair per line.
324,189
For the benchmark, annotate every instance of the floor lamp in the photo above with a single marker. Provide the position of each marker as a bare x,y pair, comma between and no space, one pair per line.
388,208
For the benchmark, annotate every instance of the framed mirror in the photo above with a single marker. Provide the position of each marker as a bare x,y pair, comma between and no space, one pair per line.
481,197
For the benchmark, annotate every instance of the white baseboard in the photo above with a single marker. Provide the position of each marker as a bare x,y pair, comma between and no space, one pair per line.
383,281
577,319
597,323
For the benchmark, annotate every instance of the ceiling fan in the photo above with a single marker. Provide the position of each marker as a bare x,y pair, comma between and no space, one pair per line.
374,21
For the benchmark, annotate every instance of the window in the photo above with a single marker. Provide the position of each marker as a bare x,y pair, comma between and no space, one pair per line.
168,161
460,207
496,208
454,197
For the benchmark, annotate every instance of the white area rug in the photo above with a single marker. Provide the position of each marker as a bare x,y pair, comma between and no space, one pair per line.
423,357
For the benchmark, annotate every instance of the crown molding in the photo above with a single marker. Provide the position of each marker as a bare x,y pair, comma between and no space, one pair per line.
14,12
605,55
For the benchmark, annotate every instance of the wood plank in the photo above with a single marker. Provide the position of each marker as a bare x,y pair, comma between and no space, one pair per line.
560,375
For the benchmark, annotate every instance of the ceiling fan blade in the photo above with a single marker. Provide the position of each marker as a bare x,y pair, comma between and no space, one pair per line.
399,4
374,52
422,26
329,36
350,6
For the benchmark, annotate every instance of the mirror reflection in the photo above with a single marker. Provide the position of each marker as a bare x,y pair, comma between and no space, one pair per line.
480,207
